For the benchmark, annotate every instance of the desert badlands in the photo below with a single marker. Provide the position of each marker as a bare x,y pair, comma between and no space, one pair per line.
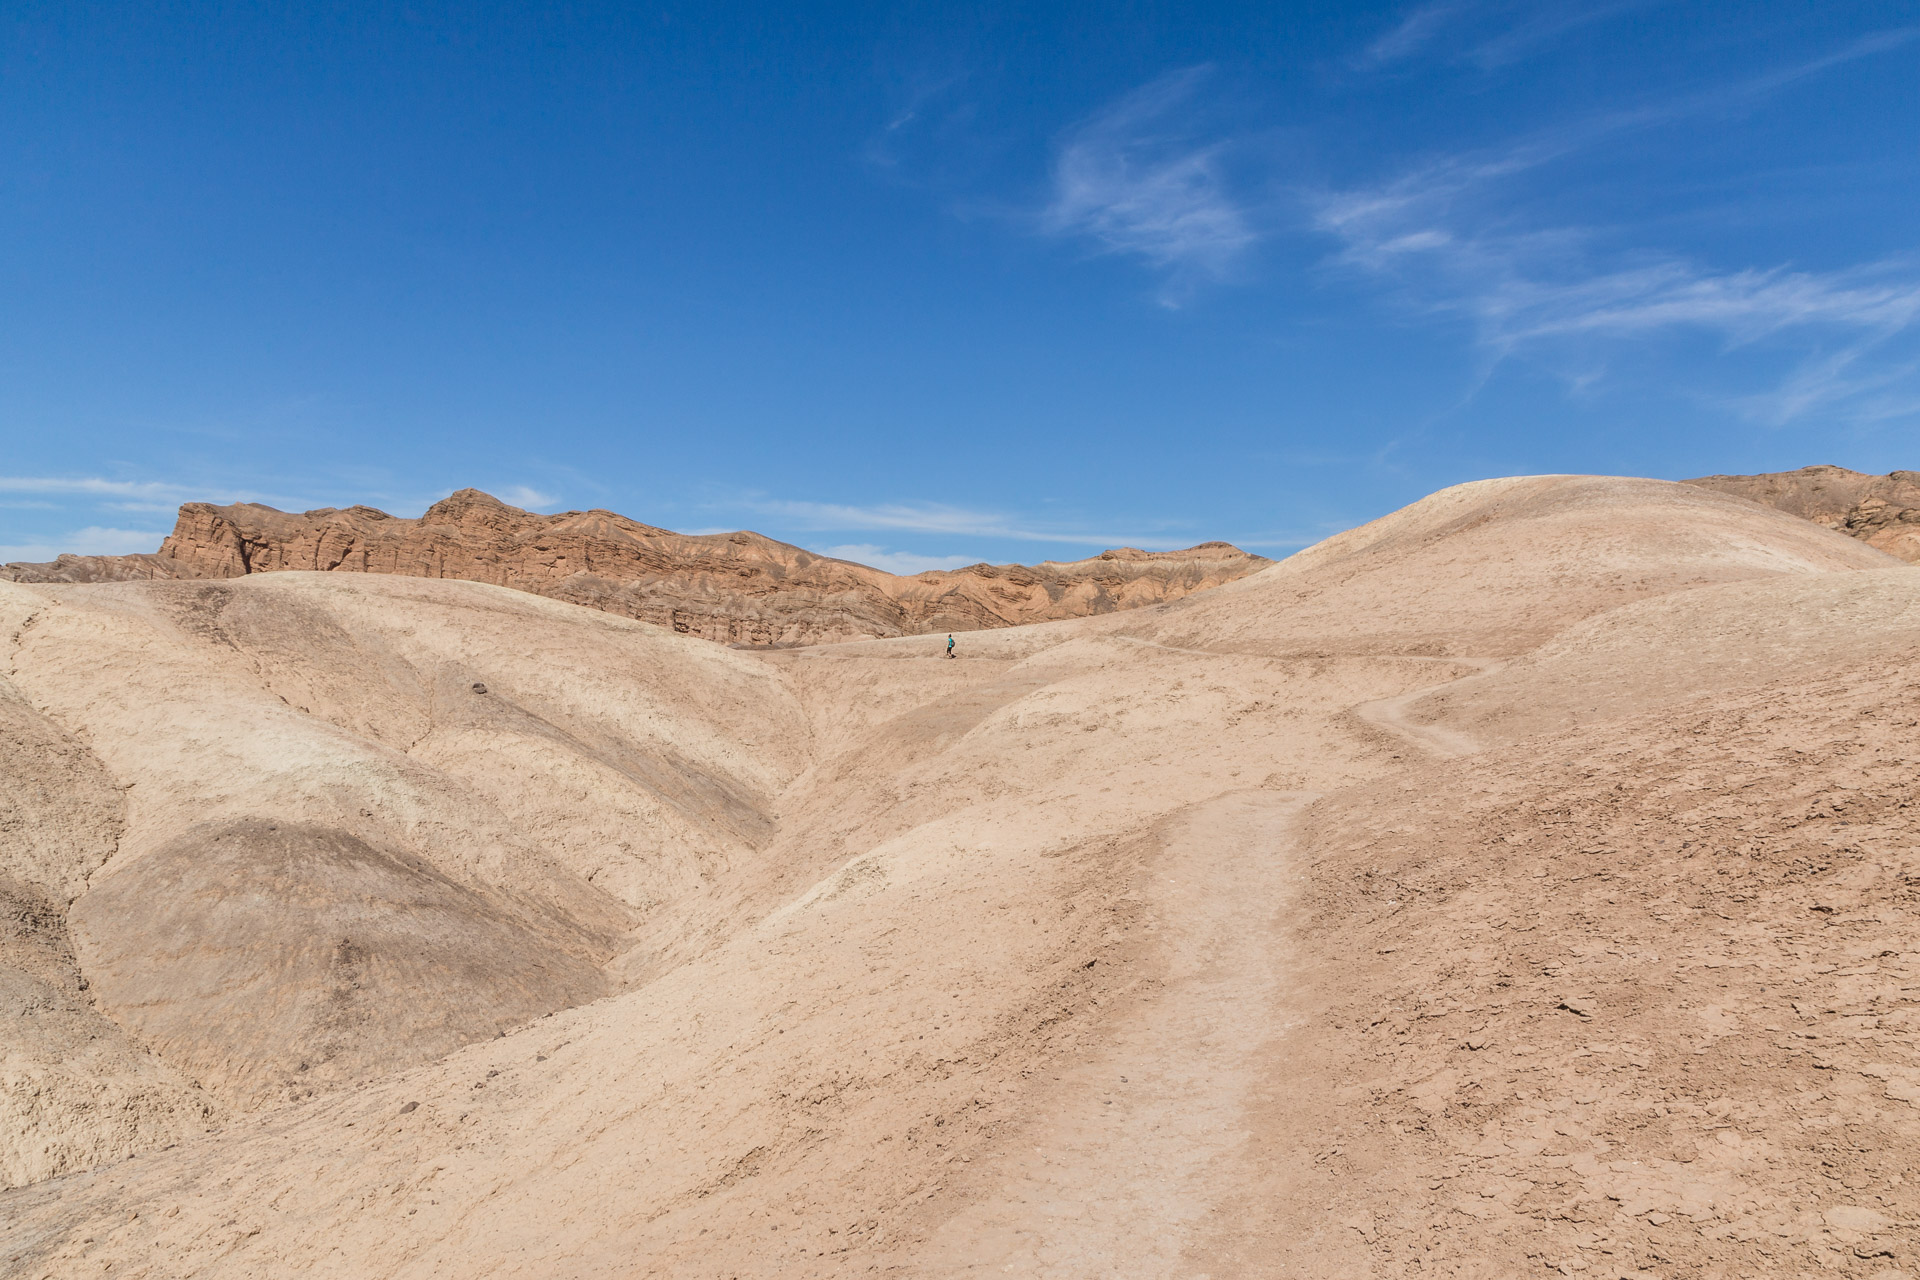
739,588
1522,884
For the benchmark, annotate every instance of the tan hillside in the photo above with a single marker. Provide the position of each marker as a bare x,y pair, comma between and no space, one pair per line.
1522,884
732,587
1881,511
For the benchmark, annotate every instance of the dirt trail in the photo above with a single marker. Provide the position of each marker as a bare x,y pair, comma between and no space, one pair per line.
1388,713
1391,713
1139,1143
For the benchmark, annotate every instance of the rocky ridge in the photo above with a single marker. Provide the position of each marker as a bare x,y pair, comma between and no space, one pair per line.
1881,511
739,588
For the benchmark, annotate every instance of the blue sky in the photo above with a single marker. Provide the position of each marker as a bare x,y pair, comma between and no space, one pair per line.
931,284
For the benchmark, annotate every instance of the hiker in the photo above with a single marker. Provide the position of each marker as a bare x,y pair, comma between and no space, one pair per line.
949,646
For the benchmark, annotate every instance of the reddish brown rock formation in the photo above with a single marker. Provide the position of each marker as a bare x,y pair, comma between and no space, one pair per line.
730,587
1881,511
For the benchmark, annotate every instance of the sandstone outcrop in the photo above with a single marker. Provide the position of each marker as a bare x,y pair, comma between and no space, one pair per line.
738,588
1881,511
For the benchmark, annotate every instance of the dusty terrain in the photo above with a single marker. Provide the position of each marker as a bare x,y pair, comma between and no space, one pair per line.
737,588
1522,884
1881,511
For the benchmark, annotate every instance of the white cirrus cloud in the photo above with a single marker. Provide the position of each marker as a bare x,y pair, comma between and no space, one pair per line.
1451,238
1866,393
91,541
927,518
904,563
89,486
1490,33
154,493
1521,288
1135,181
526,497
1414,32
1746,305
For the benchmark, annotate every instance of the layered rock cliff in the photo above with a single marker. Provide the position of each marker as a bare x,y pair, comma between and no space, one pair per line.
739,588
1881,511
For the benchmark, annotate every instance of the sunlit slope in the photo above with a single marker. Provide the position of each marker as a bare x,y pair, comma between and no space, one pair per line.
329,797
947,906
1636,995
1496,567
915,963
1658,653
75,1089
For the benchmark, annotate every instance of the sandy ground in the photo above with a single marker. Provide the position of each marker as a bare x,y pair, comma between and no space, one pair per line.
1522,884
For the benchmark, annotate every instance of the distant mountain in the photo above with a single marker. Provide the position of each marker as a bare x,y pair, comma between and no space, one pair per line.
739,588
1881,511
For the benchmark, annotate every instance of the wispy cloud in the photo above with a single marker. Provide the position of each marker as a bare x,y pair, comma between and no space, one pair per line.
1414,32
1441,182
931,518
90,486
1522,284
92,541
926,107
1523,289
1285,541
1136,181
1538,27
163,496
1843,380
125,495
1451,237
71,499
1745,306
904,563
531,499
1490,33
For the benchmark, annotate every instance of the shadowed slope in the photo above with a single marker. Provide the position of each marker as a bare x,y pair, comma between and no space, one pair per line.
268,959
488,790
75,1089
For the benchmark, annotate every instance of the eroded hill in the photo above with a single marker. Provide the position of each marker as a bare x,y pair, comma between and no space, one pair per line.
739,588
1520,884
1881,511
